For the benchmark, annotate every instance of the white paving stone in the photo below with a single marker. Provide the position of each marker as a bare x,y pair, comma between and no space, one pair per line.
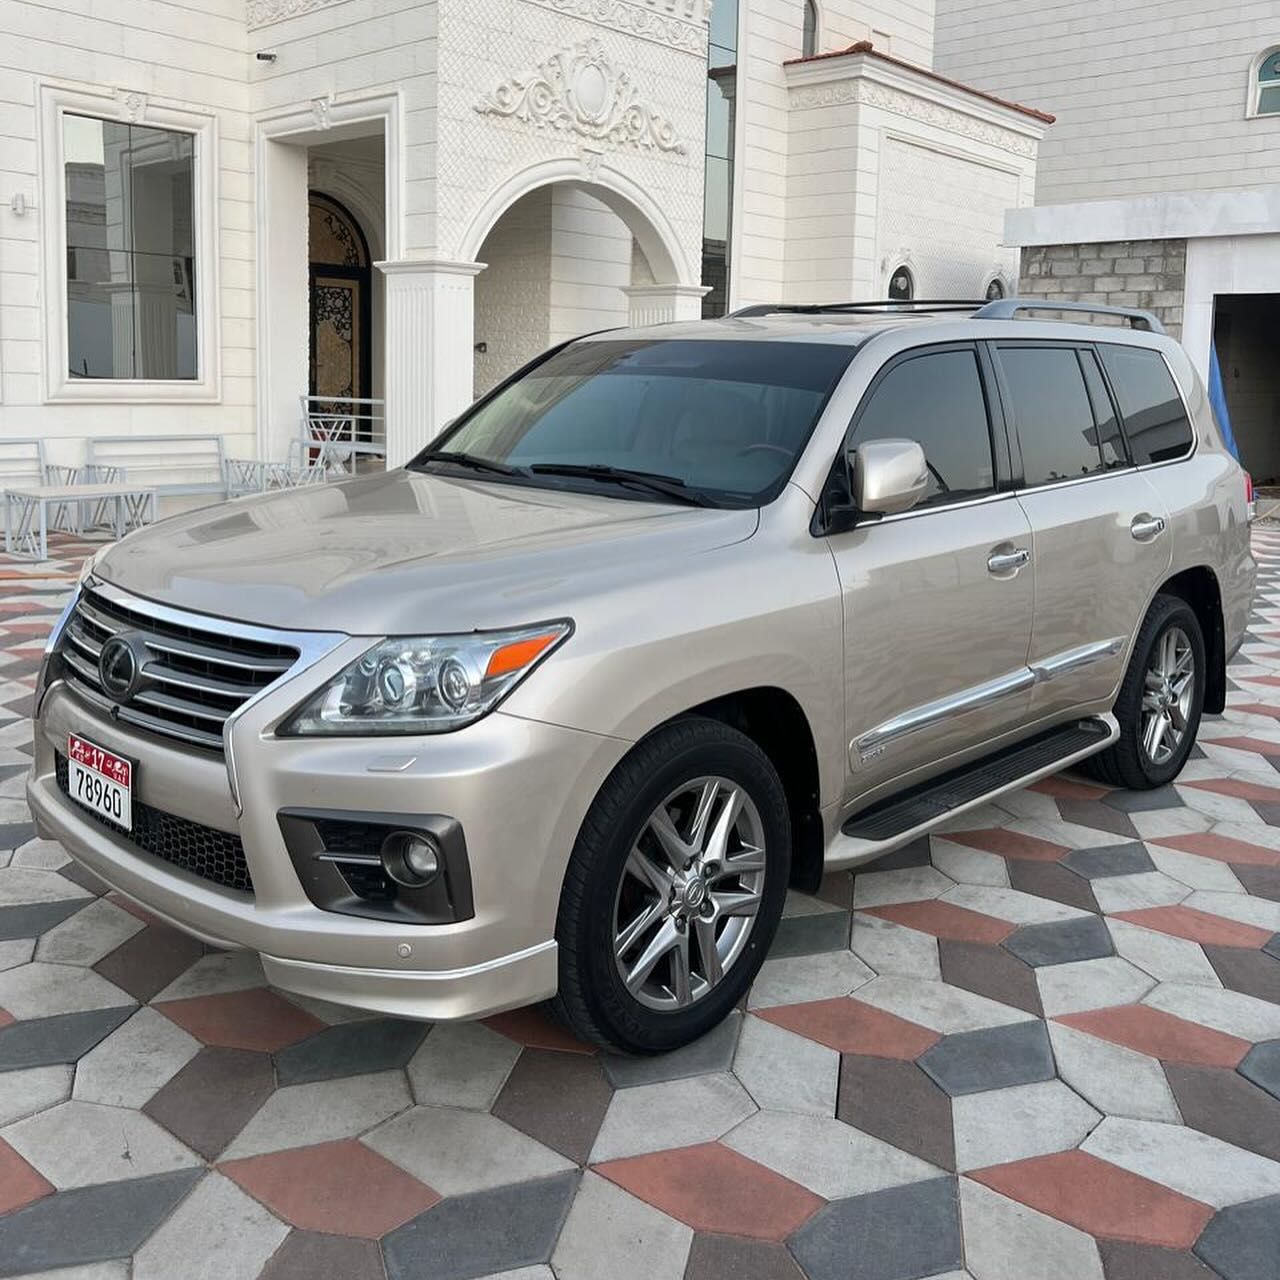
1090,984
1260,912
16,951
461,1064
797,979
1191,1162
1116,1080
40,990
907,884
829,1157
1169,822
217,1233
1193,871
87,936
457,1152
215,974
1233,1012
1011,904
134,1061
1005,1240
1014,1124
23,1093
20,886
1218,807
969,866
938,1006
677,1113
611,1233
1136,892
891,948
46,854
786,1072
325,1111
1164,957
78,1144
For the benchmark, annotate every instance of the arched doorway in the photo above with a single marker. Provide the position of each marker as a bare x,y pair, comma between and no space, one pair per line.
341,359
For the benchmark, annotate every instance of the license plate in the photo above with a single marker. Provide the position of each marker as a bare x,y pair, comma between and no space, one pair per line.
100,781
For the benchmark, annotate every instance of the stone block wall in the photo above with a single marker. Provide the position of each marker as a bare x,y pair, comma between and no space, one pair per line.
1131,273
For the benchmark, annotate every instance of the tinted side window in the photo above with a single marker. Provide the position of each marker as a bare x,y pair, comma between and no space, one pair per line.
1154,419
936,399
1053,414
1110,441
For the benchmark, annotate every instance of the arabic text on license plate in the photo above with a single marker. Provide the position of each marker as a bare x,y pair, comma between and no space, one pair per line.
100,781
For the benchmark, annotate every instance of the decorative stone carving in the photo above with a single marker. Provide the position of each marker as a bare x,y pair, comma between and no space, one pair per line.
865,92
680,24
579,90
264,12
320,112
132,104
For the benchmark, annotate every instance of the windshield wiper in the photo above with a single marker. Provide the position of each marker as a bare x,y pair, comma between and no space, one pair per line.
467,460
653,482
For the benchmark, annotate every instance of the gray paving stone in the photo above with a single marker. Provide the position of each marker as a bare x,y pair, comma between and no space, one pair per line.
482,1233
810,934
713,1052
1144,801
1112,860
65,1037
1272,948
900,1234
1243,1242
1262,1065
994,1058
350,1049
32,920
1061,942
90,1224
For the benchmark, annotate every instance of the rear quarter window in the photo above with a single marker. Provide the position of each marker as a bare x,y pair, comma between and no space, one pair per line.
1155,420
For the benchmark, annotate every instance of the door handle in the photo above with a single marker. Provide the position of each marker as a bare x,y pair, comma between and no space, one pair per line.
1146,527
1008,561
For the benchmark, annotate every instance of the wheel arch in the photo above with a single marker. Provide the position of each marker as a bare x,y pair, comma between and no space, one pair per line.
1199,588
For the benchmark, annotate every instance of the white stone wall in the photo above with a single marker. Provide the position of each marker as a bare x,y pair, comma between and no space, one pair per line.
1150,95
591,251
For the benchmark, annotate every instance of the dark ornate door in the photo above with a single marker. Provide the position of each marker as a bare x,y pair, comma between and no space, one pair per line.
340,305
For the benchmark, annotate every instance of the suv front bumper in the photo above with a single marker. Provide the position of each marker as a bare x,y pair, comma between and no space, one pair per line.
519,789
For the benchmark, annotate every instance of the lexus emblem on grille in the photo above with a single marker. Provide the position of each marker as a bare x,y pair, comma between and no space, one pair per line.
120,665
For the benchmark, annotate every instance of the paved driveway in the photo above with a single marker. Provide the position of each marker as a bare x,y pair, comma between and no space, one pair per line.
1042,1046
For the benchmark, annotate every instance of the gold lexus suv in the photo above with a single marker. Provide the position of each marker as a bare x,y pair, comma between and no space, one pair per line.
672,619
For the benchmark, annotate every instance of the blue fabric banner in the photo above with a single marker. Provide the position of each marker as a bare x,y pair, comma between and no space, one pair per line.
1218,399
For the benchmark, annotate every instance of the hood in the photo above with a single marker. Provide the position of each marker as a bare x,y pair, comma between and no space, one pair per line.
404,552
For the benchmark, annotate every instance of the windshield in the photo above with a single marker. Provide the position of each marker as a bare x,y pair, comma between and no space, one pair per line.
726,420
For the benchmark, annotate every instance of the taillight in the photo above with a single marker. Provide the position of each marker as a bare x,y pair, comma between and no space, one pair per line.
1250,503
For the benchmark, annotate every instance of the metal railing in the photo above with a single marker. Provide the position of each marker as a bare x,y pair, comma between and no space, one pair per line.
344,433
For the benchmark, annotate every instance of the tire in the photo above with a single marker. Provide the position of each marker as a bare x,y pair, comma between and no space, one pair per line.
1128,762
688,765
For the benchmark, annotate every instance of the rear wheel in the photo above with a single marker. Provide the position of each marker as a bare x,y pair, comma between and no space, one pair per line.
674,889
1160,701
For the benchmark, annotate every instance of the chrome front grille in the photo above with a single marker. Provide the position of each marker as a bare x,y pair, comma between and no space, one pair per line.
195,677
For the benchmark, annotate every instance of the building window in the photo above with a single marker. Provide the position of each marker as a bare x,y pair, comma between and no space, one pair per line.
717,209
1265,90
809,41
902,285
131,254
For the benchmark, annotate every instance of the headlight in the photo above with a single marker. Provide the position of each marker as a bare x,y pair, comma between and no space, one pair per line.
425,684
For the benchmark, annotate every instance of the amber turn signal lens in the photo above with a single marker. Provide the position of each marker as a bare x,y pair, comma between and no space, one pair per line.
519,654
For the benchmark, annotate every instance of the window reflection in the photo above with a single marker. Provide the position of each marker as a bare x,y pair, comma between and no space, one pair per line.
130,250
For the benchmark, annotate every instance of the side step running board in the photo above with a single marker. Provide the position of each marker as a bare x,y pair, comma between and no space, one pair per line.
897,820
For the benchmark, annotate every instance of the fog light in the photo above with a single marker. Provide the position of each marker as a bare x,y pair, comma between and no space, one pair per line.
411,858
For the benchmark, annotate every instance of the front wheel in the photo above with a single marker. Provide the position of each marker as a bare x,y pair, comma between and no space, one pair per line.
1160,701
674,889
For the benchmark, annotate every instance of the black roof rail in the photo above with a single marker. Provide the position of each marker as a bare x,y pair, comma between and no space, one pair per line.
875,306
1010,308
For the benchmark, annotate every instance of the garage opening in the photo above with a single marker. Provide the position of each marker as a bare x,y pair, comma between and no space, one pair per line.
1245,328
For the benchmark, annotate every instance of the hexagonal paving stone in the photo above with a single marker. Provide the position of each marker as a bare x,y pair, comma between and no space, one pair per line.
255,1019
898,1103
350,1049
557,1099
1111,860
850,1026
1243,1241
63,1038
1160,1034
994,1058
1226,1105
1061,942
1262,1066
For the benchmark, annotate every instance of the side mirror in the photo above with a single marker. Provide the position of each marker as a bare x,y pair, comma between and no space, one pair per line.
888,476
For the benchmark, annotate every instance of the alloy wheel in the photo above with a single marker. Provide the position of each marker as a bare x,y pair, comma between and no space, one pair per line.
1168,692
689,894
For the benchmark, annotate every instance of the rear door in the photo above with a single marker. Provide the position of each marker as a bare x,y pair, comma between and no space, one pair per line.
1099,529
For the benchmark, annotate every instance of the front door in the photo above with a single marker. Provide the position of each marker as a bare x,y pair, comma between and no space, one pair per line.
340,356
937,601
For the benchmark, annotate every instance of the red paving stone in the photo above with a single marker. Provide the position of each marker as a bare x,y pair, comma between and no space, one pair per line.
1258,745
945,920
711,1188
256,1019
1257,709
1222,849
1236,787
6,1018
341,1188
1197,926
1162,1035
136,909
1012,844
1061,788
19,1183
853,1027
1271,681
532,1028
1100,1198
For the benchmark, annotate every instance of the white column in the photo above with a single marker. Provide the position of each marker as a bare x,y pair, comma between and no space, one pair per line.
662,303
430,349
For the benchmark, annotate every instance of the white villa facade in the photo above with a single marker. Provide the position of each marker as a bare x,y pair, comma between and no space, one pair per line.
209,209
